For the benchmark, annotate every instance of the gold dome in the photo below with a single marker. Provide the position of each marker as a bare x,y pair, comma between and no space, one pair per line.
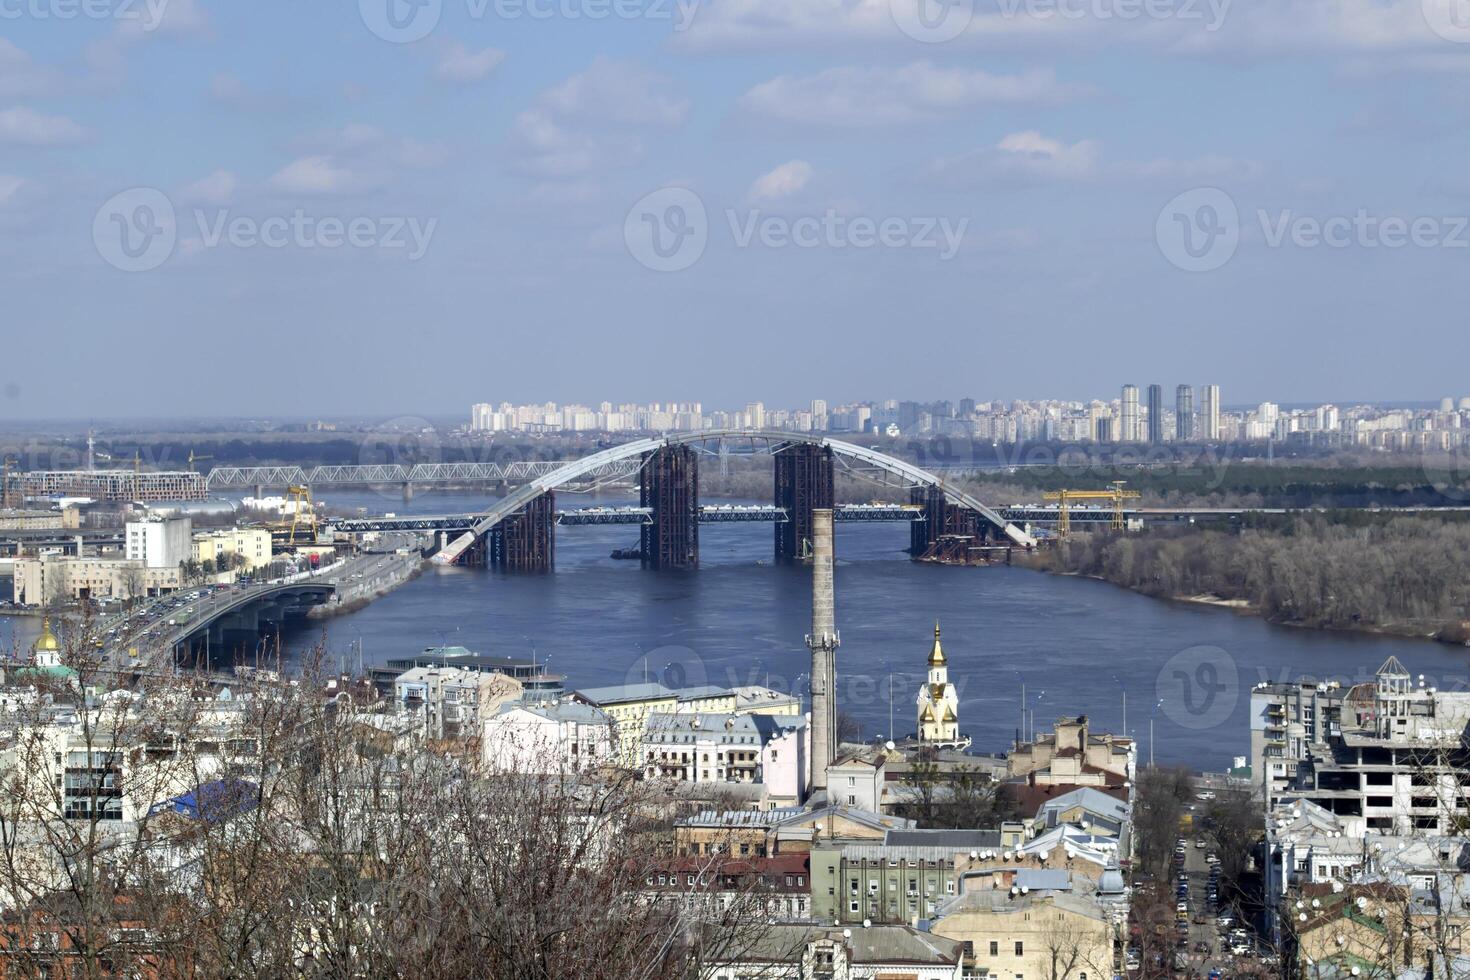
47,640
936,653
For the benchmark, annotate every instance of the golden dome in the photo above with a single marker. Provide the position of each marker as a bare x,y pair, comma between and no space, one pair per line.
936,653
47,640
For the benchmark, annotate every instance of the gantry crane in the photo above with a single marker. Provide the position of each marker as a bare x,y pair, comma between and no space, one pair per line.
303,518
1115,493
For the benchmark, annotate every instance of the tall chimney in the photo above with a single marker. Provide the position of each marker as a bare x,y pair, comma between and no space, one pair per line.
822,642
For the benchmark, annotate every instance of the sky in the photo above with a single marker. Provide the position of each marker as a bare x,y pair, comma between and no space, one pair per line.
384,206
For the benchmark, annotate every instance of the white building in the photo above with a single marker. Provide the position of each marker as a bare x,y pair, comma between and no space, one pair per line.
728,748
801,952
452,700
548,738
165,543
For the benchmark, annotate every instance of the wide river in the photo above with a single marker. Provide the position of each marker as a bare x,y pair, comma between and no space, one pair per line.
1075,645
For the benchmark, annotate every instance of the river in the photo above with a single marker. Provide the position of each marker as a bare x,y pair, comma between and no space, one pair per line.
1077,645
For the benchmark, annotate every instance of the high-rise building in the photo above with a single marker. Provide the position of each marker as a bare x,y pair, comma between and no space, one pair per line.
1210,412
1155,414
1128,431
1184,413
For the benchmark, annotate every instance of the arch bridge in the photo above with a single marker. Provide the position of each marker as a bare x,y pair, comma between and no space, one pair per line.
519,531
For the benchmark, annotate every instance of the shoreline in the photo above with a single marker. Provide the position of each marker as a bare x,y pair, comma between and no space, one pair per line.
1244,607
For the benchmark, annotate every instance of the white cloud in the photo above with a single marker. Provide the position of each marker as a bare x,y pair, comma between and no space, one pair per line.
785,180
218,188
21,76
594,121
459,64
31,128
175,19
1392,31
917,92
318,175
1030,157
8,187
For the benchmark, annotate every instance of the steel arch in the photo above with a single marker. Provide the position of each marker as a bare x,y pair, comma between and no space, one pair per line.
601,462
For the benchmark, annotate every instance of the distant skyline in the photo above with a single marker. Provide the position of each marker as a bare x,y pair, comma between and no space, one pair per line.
284,208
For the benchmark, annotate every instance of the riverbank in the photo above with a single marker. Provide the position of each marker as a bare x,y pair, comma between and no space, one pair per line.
1450,635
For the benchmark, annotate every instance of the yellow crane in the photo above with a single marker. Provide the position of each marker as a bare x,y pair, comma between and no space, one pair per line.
1064,498
303,513
193,459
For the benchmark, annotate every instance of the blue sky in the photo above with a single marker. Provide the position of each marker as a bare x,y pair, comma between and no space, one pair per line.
322,220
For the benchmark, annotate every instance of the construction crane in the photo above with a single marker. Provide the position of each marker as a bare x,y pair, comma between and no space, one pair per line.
303,513
193,458
1064,498
5,479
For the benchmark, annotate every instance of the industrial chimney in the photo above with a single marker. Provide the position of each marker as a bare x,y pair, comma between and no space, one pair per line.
823,641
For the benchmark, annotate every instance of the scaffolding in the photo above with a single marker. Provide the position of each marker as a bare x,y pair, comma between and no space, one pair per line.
668,484
804,482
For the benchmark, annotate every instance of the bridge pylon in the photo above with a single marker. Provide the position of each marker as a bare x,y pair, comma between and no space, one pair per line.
668,484
804,482
526,540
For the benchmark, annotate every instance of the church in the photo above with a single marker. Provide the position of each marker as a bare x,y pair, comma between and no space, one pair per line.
938,703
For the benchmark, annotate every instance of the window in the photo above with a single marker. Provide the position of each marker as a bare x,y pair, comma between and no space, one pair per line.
994,948
1020,948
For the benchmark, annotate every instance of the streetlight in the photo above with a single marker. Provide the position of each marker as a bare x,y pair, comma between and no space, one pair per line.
1151,732
1124,689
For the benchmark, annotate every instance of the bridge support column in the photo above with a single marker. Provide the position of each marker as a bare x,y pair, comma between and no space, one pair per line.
526,540
668,483
407,492
804,482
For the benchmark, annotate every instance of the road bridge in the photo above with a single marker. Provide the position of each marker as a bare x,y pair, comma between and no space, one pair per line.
585,516
518,531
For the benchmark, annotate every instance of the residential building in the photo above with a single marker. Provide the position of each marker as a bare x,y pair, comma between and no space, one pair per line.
629,706
115,485
802,952
548,738
891,882
65,518
163,543
1040,931
1155,414
453,701
692,747
1210,413
858,779
1072,755
783,830
1184,413
1397,764
55,577
1129,431
253,544
769,889
536,683
1286,719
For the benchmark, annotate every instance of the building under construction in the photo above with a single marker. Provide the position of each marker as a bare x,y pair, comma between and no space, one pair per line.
114,485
